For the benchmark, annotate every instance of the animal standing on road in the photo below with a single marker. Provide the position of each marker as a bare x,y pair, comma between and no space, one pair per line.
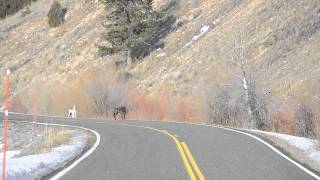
122,110
72,113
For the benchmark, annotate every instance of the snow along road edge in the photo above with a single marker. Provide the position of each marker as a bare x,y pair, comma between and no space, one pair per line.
263,142
85,155
68,168
220,127
279,152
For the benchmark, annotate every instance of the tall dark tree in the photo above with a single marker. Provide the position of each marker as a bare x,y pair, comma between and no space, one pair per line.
56,14
130,24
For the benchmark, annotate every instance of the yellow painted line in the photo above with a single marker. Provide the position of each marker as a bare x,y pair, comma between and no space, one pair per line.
193,162
180,149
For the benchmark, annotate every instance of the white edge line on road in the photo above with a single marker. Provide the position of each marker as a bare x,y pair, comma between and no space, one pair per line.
76,162
250,135
88,153
277,151
233,130
263,142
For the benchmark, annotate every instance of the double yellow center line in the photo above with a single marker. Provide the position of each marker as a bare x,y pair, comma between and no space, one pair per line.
189,162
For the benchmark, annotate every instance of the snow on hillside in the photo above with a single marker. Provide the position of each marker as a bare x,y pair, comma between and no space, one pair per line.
39,165
203,30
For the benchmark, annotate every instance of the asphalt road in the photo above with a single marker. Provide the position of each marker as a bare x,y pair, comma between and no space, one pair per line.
146,150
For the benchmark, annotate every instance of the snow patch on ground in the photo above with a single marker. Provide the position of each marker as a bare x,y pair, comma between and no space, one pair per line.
309,147
161,55
36,166
203,30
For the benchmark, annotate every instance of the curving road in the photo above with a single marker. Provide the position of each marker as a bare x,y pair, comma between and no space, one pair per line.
163,150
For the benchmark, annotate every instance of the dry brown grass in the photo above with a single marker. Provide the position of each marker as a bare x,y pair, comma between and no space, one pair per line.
37,54
52,138
56,138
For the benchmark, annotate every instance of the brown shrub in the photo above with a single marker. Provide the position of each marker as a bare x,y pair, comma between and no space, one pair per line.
56,98
162,106
16,104
143,106
282,121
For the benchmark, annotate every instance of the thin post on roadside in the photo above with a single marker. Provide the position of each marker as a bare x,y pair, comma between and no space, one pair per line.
6,114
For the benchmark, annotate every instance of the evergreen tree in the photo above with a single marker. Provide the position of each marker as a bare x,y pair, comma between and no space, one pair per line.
56,14
130,23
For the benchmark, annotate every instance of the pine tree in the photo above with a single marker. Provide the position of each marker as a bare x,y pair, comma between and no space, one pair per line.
56,14
131,22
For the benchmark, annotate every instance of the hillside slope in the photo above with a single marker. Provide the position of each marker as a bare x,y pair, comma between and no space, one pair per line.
36,54
279,38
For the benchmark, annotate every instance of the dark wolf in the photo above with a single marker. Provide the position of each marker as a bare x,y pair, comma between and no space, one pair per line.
122,110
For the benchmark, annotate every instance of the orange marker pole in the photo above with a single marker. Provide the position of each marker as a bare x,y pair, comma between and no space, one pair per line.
6,114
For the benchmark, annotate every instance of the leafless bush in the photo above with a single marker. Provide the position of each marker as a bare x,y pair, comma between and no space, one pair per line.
99,95
105,95
258,107
229,105
317,129
249,106
304,121
219,105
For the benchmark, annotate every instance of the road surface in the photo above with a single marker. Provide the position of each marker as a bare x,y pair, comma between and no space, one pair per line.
140,150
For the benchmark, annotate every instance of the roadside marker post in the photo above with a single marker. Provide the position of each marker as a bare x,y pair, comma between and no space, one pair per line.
6,114
34,110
